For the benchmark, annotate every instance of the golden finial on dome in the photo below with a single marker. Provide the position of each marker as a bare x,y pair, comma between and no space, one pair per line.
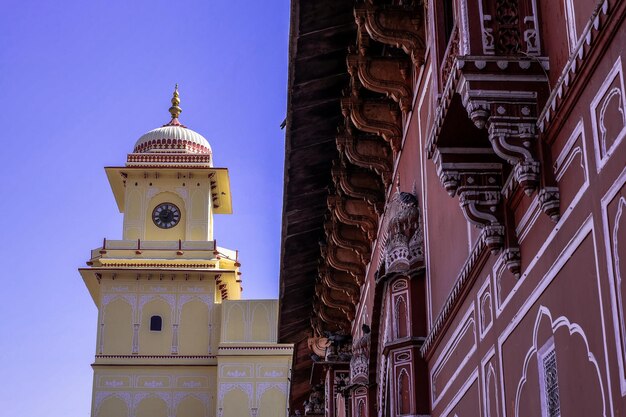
175,110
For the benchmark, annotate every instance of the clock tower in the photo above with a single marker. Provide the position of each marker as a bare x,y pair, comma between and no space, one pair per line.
174,338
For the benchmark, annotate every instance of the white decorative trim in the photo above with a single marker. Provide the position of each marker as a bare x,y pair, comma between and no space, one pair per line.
261,387
486,374
573,328
613,264
585,230
528,220
501,304
467,323
225,388
103,395
484,297
566,157
460,393
602,154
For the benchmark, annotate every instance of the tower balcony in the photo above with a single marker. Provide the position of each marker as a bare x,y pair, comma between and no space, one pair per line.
162,254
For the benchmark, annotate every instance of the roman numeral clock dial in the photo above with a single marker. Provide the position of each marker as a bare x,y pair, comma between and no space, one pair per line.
166,215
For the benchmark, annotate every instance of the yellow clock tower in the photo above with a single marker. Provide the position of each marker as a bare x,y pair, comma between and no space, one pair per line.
174,338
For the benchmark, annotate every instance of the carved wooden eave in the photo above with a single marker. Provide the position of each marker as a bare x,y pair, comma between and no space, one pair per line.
358,183
335,299
401,26
332,319
366,151
355,212
386,75
345,260
380,116
340,281
348,237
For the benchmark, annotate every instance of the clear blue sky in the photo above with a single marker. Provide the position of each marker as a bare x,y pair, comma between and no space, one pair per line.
80,81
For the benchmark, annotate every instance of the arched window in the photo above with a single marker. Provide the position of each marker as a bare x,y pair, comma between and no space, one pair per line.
404,393
156,323
401,318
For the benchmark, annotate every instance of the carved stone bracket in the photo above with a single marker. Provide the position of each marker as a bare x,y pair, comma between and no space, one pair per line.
510,118
514,142
366,151
401,26
478,185
549,198
380,116
344,260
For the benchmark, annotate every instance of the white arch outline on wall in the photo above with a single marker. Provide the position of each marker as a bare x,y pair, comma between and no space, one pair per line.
615,91
224,389
102,396
491,373
396,316
263,387
244,313
573,328
179,397
138,397
248,327
399,390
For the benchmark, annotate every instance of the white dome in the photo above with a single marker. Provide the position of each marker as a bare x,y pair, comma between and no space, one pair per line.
172,138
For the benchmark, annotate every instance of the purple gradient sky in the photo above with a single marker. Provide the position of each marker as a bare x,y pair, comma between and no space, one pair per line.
80,81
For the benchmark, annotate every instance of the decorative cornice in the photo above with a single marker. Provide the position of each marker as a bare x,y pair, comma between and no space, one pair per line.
462,284
572,68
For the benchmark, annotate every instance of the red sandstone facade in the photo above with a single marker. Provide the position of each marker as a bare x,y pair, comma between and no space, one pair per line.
455,208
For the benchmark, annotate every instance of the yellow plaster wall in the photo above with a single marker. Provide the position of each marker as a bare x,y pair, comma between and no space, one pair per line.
185,306
187,391
249,321
117,328
190,195
255,381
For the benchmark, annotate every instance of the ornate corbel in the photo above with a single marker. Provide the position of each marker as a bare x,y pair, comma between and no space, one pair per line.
513,142
366,151
549,198
475,175
355,212
348,237
380,116
401,26
358,183
386,75
510,119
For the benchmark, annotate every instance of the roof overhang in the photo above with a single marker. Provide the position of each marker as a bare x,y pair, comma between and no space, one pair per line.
320,35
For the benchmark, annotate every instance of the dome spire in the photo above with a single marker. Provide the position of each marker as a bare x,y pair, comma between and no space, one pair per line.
175,110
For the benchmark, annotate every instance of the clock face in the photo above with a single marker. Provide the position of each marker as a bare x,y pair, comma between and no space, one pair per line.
166,215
